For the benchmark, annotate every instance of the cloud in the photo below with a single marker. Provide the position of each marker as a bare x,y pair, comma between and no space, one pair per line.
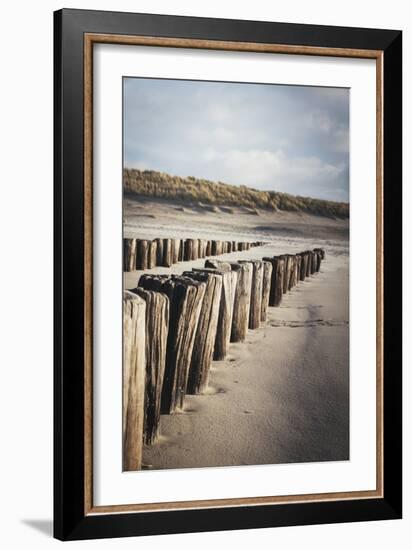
287,138
270,170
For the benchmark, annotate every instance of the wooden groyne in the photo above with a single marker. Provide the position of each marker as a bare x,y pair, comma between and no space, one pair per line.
175,325
143,254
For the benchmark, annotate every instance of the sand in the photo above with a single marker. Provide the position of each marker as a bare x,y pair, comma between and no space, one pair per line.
282,396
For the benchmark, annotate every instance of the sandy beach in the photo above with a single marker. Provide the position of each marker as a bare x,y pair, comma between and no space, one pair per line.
282,396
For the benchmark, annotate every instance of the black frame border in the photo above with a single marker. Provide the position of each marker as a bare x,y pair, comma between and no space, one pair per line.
70,521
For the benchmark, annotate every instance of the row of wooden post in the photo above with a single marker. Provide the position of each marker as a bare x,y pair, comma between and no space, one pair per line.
175,325
145,254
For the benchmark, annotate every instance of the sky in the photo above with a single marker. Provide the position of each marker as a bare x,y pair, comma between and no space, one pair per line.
293,139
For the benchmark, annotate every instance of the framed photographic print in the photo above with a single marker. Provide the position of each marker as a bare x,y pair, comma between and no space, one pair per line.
227,274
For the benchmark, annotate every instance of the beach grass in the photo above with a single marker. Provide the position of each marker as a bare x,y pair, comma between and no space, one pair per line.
195,191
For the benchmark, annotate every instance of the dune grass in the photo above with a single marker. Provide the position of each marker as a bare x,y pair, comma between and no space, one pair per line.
192,190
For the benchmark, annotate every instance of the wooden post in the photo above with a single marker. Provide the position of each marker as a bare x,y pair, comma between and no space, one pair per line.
298,264
321,251
241,308
175,243
318,253
186,297
234,246
313,262
267,277
159,252
129,254
278,274
182,250
256,293
308,264
208,248
202,248
205,332
224,326
157,327
291,270
286,276
167,253
134,371
295,269
152,254
190,253
241,302
142,250
302,269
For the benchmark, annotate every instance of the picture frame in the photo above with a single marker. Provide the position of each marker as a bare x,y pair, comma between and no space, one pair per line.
76,32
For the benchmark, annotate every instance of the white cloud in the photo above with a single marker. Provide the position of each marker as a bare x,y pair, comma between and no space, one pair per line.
287,138
274,170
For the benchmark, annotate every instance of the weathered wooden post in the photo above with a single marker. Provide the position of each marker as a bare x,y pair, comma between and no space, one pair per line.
191,249
157,327
234,246
256,292
175,250
241,306
186,297
206,331
276,286
202,248
292,270
142,250
295,269
129,254
224,326
287,272
313,262
267,277
159,251
182,250
321,251
304,266
134,372
152,254
318,259
309,264
167,253
298,264
209,248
